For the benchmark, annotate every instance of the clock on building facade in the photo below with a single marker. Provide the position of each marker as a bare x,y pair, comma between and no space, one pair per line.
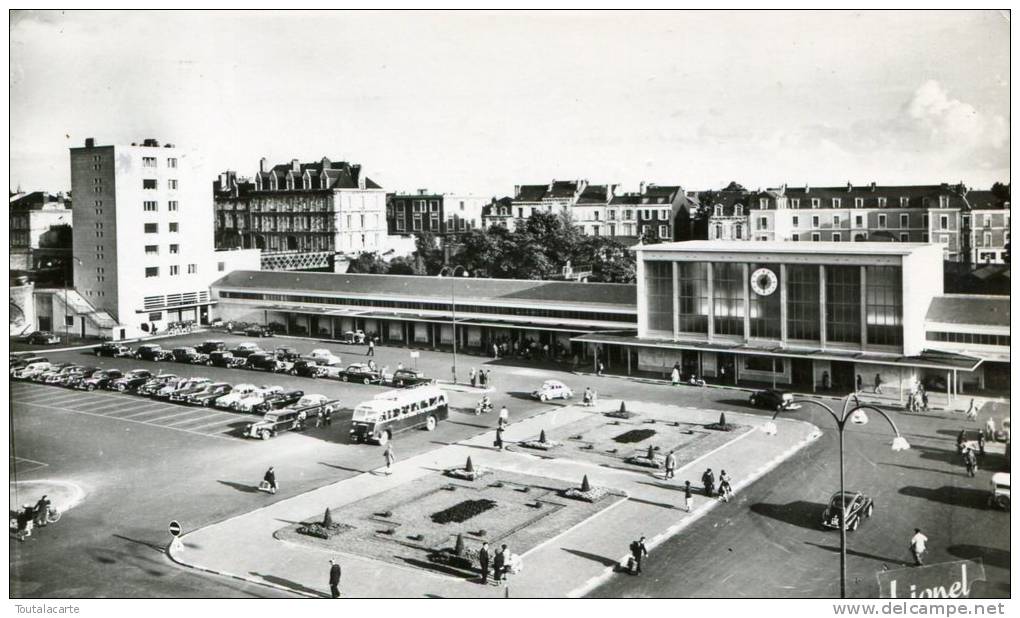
764,282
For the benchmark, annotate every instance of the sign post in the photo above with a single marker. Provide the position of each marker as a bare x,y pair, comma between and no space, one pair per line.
175,532
415,354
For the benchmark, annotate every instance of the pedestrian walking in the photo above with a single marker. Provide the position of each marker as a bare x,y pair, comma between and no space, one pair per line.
990,429
674,377
269,480
725,491
371,348
42,511
389,456
495,351
972,411
499,564
670,465
924,398
400,366
483,562
970,461
918,545
482,378
960,439
878,384
473,375
688,497
860,383
498,443
504,416
708,480
334,579
638,551
488,378
602,368
981,449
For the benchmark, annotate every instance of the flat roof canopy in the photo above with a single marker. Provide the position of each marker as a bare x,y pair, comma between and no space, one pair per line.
792,247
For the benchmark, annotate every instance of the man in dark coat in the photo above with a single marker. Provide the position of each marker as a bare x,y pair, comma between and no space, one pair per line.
708,480
270,480
483,562
638,551
498,564
334,579
42,511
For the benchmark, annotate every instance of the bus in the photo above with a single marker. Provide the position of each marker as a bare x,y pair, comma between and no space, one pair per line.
407,408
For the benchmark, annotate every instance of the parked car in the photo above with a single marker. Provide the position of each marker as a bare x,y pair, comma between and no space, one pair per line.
153,384
325,357
307,368
99,379
222,358
257,330
287,353
552,389
184,355
209,394
360,372
410,377
42,337
253,399
210,346
266,361
275,423
316,405
72,380
858,506
20,362
31,369
52,371
131,380
772,399
353,337
244,350
275,401
67,373
199,358
153,352
999,497
187,387
237,393
114,350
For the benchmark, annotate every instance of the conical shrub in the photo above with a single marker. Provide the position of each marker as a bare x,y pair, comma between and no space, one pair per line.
651,452
327,519
585,485
722,419
541,437
459,547
623,408
469,466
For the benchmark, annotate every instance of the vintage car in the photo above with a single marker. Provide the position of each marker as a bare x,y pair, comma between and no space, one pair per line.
31,369
552,389
41,337
360,372
210,346
60,376
71,375
131,380
153,352
153,384
113,350
188,387
353,337
249,402
287,353
858,506
185,355
246,349
316,405
307,368
54,370
74,379
266,361
257,330
772,399
1000,491
409,377
223,358
275,401
99,379
237,393
209,394
21,362
275,423
325,357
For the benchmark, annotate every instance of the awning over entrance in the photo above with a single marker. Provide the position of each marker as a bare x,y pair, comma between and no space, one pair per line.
928,359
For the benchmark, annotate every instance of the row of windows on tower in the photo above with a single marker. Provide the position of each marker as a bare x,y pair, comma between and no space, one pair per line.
174,270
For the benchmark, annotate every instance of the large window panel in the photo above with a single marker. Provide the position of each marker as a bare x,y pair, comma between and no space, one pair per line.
692,297
802,302
766,309
884,305
728,298
843,304
659,292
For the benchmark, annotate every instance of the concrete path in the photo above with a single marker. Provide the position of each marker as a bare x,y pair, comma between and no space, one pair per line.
567,565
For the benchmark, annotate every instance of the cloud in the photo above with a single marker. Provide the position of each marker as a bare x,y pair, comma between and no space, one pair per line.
945,120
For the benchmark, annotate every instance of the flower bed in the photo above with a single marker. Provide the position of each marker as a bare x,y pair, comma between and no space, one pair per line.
592,495
462,511
537,444
467,561
322,532
618,414
645,462
721,426
465,474
634,435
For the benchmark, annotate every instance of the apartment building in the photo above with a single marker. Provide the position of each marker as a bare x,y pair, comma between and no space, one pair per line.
40,226
143,239
301,216
437,213
987,228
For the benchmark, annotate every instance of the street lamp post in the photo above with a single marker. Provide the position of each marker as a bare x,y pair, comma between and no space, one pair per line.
453,304
856,416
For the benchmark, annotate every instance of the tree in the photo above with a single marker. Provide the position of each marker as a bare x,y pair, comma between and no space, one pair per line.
610,261
1001,191
541,436
469,466
403,265
585,485
458,548
734,186
368,263
651,452
327,520
428,254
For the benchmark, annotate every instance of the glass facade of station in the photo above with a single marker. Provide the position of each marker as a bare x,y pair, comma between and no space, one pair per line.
807,304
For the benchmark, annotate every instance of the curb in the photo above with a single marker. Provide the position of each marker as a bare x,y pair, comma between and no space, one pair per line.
121,341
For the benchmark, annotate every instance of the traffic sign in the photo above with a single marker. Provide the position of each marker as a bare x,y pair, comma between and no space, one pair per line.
175,528
415,354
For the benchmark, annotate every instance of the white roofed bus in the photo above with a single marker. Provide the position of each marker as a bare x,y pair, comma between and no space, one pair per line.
407,408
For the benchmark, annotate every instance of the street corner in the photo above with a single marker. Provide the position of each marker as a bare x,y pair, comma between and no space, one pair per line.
63,495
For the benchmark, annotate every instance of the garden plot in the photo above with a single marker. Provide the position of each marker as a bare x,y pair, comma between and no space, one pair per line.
418,523
624,442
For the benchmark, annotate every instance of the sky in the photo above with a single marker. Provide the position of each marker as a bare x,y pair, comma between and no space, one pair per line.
477,102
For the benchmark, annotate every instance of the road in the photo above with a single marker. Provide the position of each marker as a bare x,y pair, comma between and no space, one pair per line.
176,463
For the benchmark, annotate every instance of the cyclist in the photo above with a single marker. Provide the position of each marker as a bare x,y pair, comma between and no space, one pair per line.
42,511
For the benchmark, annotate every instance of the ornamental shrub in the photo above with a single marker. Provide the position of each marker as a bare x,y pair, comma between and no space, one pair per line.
459,547
327,520
541,436
651,452
722,419
623,408
585,485
469,467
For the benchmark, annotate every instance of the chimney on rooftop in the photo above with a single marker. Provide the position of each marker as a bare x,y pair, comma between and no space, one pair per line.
517,190
849,187
90,142
807,188
641,186
295,165
873,186
358,176
262,164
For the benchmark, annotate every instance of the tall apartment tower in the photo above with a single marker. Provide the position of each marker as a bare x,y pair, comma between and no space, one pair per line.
143,234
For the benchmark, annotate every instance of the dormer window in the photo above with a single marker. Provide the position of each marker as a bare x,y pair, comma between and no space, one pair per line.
943,201
881,202
904,202
795,202
837,202
718,211
763,203
816,202
738,210
858,202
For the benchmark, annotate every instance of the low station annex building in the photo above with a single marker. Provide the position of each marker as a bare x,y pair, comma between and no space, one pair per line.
804,315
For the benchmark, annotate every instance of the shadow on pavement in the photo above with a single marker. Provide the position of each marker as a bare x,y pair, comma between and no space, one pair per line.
799,513
153,546
590,556
469,424
948,494
345,469
889,562
990,556
286,583
246,488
